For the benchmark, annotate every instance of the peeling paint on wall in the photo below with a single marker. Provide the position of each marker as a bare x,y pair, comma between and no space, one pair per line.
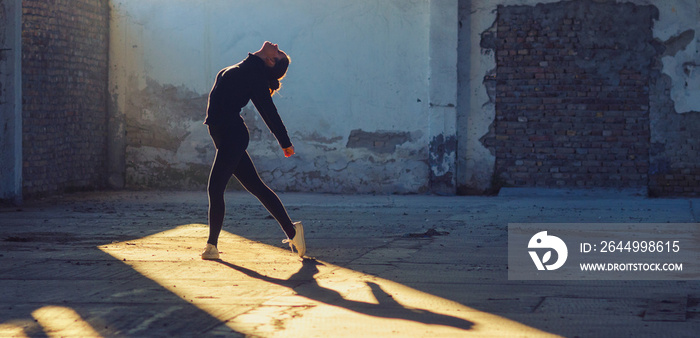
572,87
331,112
476,101
678,43
322,143
674,154
161,122
157,115
677,32
443,152
356,128
379,141
672,93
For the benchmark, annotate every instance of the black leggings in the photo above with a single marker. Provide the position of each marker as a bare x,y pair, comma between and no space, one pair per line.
232,158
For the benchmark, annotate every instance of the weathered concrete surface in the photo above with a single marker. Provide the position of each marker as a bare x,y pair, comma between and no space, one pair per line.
678,29
126,264
360,70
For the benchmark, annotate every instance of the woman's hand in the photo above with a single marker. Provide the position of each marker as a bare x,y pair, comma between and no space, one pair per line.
288,151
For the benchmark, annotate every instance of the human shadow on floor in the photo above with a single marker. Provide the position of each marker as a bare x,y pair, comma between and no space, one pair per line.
304,284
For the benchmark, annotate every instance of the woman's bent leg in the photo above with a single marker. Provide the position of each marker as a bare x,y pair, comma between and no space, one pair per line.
248,176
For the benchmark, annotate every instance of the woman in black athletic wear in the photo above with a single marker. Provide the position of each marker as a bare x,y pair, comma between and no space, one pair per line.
254,79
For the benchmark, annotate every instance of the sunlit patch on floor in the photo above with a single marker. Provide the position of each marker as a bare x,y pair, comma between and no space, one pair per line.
261,290
14,329
49,321
58,321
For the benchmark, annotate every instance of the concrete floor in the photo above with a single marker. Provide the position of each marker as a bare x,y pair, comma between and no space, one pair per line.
126,264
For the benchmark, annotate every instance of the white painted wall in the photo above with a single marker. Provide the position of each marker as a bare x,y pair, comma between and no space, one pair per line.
361,64
684,67
376,66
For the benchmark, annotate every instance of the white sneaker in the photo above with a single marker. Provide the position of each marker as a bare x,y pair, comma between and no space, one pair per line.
298,240
210,252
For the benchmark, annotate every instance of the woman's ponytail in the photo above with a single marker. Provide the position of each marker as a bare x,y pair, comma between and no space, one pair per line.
276,73
274,85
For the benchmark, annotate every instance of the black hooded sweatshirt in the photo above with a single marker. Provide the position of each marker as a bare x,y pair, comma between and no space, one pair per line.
234,87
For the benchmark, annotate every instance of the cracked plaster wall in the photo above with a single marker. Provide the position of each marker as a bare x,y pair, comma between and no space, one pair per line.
675,103
476,94
356,100
673,95
346,93
679,28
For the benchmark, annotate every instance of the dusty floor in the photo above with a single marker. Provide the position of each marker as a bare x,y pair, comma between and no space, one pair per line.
127,264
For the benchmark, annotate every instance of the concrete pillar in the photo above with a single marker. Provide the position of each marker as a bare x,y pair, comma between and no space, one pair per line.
116,122
476,109
11,100
442,121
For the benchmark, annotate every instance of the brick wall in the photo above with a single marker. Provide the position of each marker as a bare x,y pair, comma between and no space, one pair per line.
572,95
64,85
